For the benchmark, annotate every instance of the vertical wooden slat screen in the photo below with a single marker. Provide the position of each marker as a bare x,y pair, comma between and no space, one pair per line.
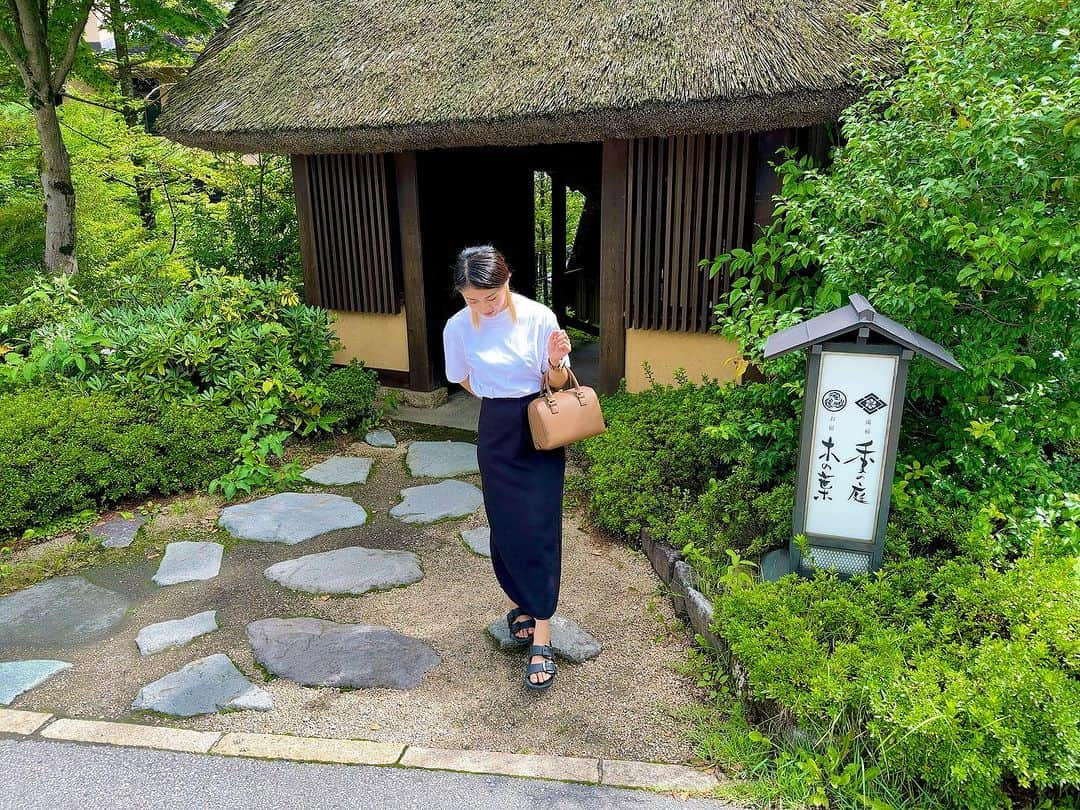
354,222
688,200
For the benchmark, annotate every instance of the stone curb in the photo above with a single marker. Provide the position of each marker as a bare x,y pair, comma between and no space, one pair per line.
285,747
161,738
696,609
13,721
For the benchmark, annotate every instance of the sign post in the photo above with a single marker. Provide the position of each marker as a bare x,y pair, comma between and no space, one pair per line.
855,380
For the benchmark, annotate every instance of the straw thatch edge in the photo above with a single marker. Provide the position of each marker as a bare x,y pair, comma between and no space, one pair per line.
797,109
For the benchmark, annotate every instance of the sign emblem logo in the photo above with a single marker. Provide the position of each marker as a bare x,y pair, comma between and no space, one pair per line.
834,400
871,403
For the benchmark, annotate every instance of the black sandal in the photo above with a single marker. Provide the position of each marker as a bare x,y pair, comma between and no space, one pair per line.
546,666
516,626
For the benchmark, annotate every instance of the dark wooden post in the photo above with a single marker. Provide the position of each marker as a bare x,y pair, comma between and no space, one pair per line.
306,227
420,376
558,247
613,265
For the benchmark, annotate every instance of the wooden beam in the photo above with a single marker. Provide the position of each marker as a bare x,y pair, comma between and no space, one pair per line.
558,246
305,225
420,371
613,265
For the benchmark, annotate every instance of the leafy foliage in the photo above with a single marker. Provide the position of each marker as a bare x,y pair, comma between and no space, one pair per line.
65,451
704,468
963,679
953,207
950,678
350,396
251,231
224,341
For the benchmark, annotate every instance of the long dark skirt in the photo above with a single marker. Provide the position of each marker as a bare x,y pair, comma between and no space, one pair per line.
523,493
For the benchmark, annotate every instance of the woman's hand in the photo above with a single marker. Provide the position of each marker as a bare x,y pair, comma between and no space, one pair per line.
558,345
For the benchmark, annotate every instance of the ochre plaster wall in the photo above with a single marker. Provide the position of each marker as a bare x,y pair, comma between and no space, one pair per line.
381,341
697,353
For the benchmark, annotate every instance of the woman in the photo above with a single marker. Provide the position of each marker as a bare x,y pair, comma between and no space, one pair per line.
498,347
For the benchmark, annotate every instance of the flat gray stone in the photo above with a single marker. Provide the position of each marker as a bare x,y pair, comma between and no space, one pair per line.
204,686
380,438
59,612
663,557
17,677
478,540
188,561
118,532
340,470
682,580
701,617
176,632
315,652
291,517
441,459
352,570
568,640
433,502
646,541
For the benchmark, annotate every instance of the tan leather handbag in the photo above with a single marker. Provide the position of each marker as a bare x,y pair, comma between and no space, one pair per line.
559,418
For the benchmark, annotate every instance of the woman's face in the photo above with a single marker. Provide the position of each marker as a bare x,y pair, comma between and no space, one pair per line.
486,302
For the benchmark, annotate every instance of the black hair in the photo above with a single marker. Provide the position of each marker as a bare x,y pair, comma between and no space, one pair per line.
480,266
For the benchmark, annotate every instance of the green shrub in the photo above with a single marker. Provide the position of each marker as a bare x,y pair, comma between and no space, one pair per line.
22,235
963,680
252,230
952,206
65,451
350,395
242,345
703,467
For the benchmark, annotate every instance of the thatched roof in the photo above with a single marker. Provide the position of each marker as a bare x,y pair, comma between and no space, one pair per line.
387,75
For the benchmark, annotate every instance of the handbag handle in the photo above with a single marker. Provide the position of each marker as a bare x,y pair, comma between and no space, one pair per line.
572,378
549,395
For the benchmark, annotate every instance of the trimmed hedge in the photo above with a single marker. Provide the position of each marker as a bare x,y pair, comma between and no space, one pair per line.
64,452
350,395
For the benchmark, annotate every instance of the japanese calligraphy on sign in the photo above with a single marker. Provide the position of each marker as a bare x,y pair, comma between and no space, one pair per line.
851,425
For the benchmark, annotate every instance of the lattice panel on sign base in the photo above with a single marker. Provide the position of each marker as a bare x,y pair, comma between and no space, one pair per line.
843,562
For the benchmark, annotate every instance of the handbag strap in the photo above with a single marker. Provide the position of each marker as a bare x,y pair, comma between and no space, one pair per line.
549,395
572,378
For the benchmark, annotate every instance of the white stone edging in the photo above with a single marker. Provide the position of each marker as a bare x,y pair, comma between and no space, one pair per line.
329,750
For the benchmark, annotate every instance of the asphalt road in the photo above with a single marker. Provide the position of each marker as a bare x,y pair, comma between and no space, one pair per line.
57,776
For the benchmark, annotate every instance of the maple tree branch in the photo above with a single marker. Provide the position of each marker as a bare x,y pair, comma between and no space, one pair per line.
13,54
73,44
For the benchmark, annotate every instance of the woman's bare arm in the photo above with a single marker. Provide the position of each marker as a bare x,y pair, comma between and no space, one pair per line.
467,387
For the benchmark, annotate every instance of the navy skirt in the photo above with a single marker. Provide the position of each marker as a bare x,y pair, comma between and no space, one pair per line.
523,495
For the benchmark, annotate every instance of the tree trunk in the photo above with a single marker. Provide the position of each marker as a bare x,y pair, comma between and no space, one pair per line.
55,167
118,24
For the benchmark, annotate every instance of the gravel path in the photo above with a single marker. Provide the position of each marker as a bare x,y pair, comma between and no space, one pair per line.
619,705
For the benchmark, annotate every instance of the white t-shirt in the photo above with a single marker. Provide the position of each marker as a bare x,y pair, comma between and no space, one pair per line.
501,358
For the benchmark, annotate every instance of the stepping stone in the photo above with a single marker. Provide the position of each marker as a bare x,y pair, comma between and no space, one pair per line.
291,517
380,438
118,532
176,632
338,470
433,502
315,652
59,612
347,570
441,459
204,686
568,640
17,677
187,561
478,540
